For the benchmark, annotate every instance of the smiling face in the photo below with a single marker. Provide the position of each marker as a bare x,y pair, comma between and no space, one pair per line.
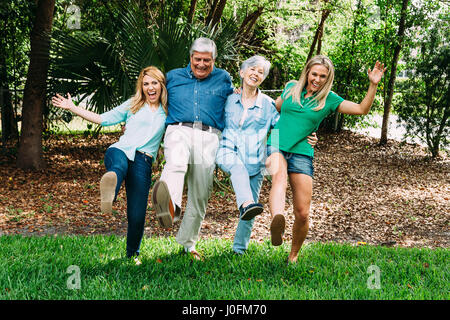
252,76
202,64
317,77
151,89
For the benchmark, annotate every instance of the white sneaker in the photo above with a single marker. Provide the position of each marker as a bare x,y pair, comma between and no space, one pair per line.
108,184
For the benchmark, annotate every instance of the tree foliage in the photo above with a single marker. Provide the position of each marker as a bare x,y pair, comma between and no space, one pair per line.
103,67
425,102
98,60
16,21
353,54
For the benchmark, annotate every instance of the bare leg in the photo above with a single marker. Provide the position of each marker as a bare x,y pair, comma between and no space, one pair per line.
301,185
277,167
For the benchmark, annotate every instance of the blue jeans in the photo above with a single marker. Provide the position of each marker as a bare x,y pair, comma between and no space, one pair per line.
246,188
244,228
138,177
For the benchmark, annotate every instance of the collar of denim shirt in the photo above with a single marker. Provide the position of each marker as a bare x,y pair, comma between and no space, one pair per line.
191,74
258,102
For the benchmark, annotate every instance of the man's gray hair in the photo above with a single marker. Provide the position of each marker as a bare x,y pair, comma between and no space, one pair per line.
257,61
204,45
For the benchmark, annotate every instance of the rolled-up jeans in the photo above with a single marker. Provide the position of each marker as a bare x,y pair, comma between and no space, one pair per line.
190,153
138,176
246,188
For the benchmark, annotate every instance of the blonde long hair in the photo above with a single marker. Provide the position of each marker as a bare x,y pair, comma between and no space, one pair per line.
321,96
138,100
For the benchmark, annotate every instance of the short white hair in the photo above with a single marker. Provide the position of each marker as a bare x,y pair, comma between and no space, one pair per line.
257,61
204,45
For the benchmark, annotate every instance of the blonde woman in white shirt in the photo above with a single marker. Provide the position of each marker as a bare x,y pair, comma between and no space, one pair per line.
130,159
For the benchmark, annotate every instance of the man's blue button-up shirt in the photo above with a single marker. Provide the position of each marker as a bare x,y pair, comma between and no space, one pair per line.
191,99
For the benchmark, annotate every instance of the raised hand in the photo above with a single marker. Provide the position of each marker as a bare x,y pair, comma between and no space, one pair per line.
67,103
61,102
376,73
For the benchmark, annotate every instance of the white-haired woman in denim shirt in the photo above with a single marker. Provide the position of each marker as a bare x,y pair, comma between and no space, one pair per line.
249,116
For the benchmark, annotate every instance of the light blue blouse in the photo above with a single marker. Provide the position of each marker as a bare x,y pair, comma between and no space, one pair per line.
144,129
248,139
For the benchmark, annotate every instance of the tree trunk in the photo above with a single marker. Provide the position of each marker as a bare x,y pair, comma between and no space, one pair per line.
211,12
218,13
30,145
318,33
393,73
319,43
247,25
190,17
434,138
319,40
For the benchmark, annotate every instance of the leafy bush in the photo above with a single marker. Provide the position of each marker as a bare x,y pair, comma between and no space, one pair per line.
425,107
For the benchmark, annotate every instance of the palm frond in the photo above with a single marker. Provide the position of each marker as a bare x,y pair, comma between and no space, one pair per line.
102,69
136,42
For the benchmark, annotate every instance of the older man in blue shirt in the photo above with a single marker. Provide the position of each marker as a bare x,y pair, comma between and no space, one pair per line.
197,96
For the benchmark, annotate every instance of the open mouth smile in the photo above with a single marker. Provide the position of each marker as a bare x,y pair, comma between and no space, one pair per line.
151,93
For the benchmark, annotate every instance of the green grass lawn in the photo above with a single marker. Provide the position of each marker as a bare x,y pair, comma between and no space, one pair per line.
40,268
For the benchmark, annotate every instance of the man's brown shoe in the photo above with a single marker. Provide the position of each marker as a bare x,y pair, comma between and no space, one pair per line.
195,255
163,204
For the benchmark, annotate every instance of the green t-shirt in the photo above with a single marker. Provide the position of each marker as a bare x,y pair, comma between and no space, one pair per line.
296,123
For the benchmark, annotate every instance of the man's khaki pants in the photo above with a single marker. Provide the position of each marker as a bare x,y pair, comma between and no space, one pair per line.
190,153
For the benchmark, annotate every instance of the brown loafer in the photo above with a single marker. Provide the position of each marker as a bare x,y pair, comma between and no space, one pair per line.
277,229
195,255
163,204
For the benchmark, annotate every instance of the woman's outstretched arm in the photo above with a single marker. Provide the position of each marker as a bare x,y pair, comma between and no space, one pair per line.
349,107
67,103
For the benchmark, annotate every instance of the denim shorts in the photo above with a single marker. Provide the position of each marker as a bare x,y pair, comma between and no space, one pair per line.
297,163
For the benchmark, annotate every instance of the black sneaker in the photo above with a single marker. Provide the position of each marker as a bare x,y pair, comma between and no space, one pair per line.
251,211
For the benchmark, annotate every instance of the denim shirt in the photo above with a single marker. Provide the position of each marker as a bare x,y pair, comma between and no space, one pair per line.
144,129
191,99
248,139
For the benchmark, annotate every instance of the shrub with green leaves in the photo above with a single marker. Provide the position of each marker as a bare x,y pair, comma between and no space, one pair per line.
425,107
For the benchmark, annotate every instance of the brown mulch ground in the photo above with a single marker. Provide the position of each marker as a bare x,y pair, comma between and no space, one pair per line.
391,195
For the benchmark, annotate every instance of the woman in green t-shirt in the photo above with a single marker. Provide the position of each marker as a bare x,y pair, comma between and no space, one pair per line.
303,105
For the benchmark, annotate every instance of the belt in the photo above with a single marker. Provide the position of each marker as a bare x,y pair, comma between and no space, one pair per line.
145,153
197,125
